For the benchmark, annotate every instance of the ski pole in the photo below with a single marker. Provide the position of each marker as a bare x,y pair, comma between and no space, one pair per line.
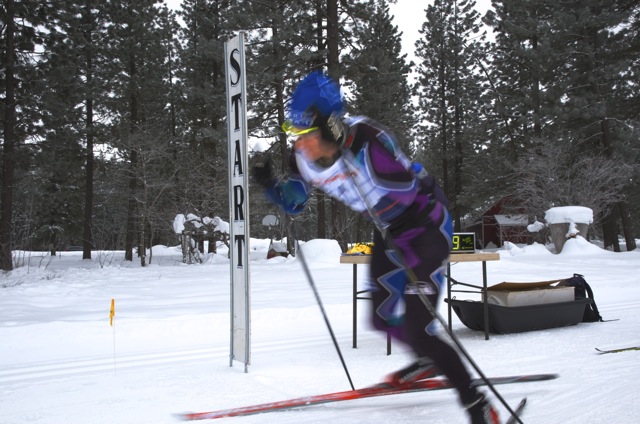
423,298
307,272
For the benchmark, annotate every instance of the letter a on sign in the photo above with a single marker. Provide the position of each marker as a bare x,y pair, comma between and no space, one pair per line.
238,199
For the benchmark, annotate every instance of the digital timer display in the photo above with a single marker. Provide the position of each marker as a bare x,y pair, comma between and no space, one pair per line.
464,242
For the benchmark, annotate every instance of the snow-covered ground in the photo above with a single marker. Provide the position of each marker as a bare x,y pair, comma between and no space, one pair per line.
168,351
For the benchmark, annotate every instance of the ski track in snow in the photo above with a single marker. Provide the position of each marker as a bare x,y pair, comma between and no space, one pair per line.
85,366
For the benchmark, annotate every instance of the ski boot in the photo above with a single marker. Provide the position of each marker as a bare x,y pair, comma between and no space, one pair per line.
420,369
479,409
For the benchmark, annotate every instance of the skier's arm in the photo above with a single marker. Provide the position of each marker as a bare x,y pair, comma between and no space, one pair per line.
290,194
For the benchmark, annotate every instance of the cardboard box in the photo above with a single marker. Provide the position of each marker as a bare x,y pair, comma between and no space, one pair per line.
536,296
532,293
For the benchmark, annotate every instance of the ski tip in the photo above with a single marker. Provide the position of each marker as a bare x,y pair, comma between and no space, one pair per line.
517,412
618,350
540,377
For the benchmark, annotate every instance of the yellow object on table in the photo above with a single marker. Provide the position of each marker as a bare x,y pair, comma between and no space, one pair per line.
363,248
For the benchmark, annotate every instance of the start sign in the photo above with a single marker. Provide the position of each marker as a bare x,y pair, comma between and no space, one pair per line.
235,75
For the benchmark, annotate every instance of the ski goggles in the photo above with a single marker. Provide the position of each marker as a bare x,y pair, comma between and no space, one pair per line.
291,129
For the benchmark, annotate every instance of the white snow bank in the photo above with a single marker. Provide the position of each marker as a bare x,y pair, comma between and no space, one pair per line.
321,251
578,246
563,214
511,249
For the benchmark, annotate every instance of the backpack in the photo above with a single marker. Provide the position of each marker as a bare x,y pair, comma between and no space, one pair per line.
583,291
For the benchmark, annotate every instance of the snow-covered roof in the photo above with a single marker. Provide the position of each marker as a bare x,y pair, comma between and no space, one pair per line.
507,220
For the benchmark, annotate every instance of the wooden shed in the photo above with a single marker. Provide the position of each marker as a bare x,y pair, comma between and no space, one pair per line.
504,221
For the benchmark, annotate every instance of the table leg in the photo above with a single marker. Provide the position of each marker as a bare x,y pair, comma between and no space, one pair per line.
355,312
449,294
355,306
485,299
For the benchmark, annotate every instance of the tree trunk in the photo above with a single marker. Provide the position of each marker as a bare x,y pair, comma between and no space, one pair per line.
322,216
333,56
458,124
627,226
446,186
87,239
609,232
340,224
131,209
6,198
333,60
142,245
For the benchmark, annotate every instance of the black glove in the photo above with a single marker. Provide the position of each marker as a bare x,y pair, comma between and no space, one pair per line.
262,172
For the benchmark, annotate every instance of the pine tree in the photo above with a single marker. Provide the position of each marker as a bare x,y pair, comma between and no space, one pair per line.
523,63
278,50
521,100
202,152
449,91
569,63
140,95
72,103
596,66
290,39
22,33
379,74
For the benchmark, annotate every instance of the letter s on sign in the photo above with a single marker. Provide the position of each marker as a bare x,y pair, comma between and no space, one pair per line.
235,66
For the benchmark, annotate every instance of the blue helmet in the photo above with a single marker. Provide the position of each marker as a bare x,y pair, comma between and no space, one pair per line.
314,100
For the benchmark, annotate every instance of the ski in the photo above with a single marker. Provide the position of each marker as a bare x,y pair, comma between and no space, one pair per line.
377,390
624,349
518,411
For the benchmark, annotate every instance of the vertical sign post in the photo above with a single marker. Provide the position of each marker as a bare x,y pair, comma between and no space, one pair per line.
238,199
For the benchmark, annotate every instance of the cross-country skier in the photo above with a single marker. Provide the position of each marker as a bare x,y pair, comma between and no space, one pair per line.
358,162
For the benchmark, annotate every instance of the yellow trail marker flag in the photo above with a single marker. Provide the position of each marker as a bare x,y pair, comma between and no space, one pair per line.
112,312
